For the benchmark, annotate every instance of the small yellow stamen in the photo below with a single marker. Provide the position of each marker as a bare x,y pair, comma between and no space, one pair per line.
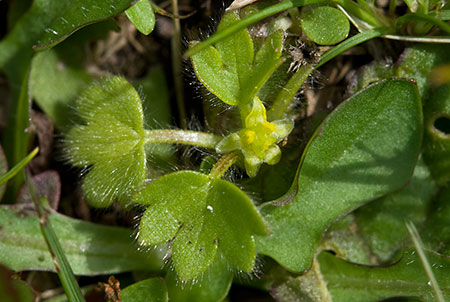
269,126
250,136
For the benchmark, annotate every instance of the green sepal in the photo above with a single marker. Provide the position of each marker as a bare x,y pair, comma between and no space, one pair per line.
202,216
110,138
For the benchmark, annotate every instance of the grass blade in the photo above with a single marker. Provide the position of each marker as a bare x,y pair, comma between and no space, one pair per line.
62,266
11,173
426,265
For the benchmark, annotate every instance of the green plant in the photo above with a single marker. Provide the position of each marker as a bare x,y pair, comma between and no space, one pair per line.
273,181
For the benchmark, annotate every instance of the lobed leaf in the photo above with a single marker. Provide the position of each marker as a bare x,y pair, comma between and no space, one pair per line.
201,215
83,243
231,70
111,139
366,148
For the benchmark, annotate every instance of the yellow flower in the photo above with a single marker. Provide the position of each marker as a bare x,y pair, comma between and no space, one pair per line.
258,139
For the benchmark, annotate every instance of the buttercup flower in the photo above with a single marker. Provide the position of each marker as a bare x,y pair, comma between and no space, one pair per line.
258,139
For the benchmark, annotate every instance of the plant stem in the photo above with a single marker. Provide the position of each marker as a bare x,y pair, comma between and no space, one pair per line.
288,92
223,164
184,137
176,65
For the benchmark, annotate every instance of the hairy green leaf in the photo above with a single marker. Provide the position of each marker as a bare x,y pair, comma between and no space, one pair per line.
203,215
111,138
325,25
231,70
142,16
84,244
366,148
153,289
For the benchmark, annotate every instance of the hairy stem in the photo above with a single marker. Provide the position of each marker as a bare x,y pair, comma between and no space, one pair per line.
223,164
183,137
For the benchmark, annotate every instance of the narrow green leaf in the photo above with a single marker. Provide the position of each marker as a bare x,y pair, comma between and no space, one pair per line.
111,138
15,140
213,285
91,249
203,215
366,148
142,16
153,289
17,168
75,15
406,278
62,266
325,25
54,84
